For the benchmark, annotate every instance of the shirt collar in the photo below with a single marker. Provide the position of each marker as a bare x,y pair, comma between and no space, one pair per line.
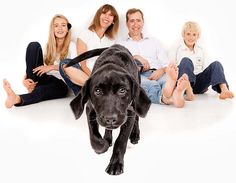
130,38
184,47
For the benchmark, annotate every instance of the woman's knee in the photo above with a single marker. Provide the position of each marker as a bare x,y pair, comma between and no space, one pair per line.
62,65
33,46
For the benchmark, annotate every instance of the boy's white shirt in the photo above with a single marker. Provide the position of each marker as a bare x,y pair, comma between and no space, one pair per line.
198,55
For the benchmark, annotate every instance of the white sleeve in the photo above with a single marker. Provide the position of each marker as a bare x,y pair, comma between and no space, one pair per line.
72,50
162,55
172,52
84,35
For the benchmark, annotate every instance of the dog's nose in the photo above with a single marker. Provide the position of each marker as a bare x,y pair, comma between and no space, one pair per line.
111,119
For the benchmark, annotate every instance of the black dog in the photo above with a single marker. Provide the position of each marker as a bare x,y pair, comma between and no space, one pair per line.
114,99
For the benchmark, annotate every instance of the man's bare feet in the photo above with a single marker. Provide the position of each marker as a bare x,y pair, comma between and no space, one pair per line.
12,98
178,94
171,79
226,94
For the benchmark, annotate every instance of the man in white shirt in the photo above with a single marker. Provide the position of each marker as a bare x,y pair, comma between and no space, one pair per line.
149,52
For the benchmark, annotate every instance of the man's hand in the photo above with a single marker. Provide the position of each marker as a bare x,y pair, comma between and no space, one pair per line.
145,62
157,74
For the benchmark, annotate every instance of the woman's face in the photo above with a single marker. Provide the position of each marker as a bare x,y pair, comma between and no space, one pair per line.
60,28
190,38
106,19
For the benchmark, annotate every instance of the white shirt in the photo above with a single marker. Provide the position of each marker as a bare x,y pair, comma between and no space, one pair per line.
150,49
72,53
93,41
197,55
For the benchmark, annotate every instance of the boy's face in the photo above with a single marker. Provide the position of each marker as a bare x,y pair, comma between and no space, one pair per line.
135,24
190,37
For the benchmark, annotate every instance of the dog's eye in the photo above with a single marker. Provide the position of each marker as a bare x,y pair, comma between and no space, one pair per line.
122,91
98,91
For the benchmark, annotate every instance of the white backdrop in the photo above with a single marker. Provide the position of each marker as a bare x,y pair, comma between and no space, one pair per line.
23,21
26,20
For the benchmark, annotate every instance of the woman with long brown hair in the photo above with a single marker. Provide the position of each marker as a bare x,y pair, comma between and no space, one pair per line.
101,33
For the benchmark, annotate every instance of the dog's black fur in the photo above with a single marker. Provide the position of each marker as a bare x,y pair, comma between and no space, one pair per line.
114,99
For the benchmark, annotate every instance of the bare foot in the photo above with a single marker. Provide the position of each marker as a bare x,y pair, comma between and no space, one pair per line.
189,92
166,101
226,94
12,98
178,94
171,79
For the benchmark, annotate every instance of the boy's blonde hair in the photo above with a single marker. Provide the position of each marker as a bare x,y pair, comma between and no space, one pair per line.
192,26
51,51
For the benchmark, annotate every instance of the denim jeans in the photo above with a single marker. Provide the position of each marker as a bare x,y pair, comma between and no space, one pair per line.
75,88
213,75
152,88
48,86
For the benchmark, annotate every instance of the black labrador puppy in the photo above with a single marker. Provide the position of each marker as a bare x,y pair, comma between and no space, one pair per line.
114,99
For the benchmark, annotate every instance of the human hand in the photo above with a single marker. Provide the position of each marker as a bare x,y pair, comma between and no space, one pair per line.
157,74
42,70
29,84
146,65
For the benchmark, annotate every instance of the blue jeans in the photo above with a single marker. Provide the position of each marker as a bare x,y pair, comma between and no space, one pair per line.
213,75
152,88
48,86
75,88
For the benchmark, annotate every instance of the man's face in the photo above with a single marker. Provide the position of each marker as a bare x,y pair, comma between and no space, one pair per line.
135,24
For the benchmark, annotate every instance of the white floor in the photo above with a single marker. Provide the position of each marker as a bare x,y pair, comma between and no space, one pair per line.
43,143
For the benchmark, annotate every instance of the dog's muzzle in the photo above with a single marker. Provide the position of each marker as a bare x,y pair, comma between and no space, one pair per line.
112,121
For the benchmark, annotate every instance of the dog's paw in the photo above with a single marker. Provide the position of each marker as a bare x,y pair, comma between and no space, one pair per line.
134,137
115,168
101,146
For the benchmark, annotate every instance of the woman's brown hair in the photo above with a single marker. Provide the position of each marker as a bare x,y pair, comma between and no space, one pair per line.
113,28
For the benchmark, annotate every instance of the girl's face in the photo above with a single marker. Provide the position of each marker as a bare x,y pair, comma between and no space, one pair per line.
190,38
60,28
106,19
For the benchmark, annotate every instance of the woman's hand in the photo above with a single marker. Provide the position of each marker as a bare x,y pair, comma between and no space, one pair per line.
29,84
42,69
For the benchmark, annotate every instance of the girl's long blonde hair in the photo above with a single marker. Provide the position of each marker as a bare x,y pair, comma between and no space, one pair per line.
51,52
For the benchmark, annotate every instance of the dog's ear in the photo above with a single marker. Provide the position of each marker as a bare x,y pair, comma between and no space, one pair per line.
141,102
77,104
